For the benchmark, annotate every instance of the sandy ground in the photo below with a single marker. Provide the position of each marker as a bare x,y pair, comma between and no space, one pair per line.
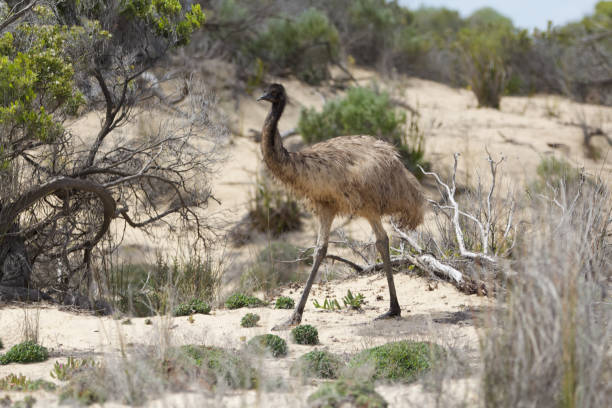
525,130
439,314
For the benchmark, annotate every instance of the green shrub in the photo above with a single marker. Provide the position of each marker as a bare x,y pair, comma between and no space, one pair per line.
317,363
305,334
20,382
222,366
365,111
276,264
26,352
284,302
304,46
239,300
194,306
274,210
346,392
399,361
268,343
249,320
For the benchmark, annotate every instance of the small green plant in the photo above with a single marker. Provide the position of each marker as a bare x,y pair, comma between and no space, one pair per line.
221,366
284,302
26,352
249,320
194,306
346,392
328,304
354,302
20,382
305,334
399,361
268,343
239,300
65,371
317,363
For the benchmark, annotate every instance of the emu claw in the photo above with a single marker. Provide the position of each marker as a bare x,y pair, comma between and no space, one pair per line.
390,314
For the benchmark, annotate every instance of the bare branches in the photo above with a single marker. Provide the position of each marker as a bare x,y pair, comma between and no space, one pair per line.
15,14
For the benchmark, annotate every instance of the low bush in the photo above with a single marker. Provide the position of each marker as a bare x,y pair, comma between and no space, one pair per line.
284,302
317,363
26,352
194,306
305,334
240,300
399,361
303,47
345,392
222,367
249,320
274,210
20,382
276,264
268,343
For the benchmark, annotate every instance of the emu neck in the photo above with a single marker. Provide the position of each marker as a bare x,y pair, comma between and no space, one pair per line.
274,153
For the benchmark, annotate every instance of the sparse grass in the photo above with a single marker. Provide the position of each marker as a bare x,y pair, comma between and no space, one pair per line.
240,300
249,320
26,352
317,363
194,306
305,334
268,343
284,302
222,367
346,392
399,361
20,382
276,264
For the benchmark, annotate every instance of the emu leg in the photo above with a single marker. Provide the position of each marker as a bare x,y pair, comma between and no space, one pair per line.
325,223
382,244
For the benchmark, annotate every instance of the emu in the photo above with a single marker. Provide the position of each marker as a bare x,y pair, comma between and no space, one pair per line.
346,175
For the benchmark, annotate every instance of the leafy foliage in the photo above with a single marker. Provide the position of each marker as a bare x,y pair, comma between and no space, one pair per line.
239,300
304,46
284,302
400,361
249,320
345,392
20,382
305,334
354,302
222,367
317,363
26,352
328,304
268,343
194,306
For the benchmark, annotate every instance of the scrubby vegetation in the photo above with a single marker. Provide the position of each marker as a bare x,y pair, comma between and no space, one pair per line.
305,334
317,363
249,320
194,306
26,352
223,367
352,301
20,382
284,302
72,366
268,343
278,263
239,300
399,361
345,392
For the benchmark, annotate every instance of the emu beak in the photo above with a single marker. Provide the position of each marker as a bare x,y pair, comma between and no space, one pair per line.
264,97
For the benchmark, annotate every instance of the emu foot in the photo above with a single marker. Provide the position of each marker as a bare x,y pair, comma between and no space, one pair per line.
293,321
392,313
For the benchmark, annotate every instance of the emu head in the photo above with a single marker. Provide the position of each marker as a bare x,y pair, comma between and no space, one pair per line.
275,93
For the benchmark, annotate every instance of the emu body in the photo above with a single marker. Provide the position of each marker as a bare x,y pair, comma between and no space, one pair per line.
346,175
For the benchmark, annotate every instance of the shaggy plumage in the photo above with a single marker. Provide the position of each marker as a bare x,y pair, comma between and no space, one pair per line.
347,175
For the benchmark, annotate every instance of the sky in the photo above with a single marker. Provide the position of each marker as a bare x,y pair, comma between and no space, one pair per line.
524,13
